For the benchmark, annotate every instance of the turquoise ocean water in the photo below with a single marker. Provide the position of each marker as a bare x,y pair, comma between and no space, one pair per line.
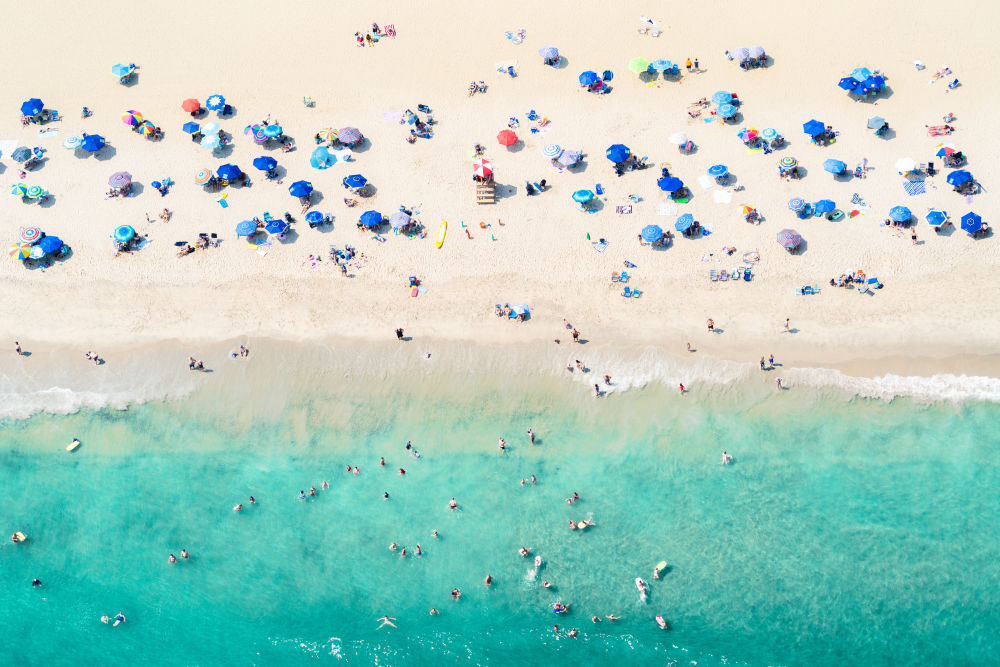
846,532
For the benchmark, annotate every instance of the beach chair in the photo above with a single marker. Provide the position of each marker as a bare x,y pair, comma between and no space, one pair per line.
747,274
713,275
627,292
723,275
615,277
624,277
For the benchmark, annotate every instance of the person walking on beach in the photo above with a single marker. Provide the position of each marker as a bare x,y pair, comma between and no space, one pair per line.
696,67
711,325
770,361
682,388
687,64
576,336
762,363
787,330
399,334
778,382
913,236
689,347
597,391
17,349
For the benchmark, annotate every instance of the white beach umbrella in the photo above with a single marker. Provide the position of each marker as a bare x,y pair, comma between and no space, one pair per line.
678,138
905,164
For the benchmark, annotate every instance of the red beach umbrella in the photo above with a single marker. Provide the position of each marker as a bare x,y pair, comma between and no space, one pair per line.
507,138
482,167
190,105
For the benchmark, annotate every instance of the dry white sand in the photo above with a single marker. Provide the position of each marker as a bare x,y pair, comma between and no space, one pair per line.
937,297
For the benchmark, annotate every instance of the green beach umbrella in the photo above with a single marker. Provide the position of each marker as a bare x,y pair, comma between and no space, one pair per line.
19,190
638,65
35,192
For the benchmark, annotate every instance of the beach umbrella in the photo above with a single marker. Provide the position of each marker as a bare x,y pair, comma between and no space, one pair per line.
272,131
959,177
210,128
321,158
684,222
875,83
314,217
30,235
813,127
507,138
670,184
72,142
722,97
120,179
36,253
120,70
589,78
678,138
21,154
19,251
132,117
638,65
549,52
769,134
300,189
824,206
618,153
971,222
259,136
661,64
582,196
191,127
32,107
147,128
848,83
946,150
203,176
834,166
229,172
123,233
265,163
327,134
905,165
747,134
936,218
482,168
191,105
568,158
740,53
50,244
551,150
789,239
398,219
349,135
251,129
93,143
276,226
756,51
215,102
211,142
726,111
246,228
371,218
651,233
35,192
861,73
899,214
19,190
718,170
355,181
796,204
875,122
787,162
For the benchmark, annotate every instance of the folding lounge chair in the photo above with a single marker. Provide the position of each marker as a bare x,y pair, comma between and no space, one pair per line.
723,275
713,275
627,292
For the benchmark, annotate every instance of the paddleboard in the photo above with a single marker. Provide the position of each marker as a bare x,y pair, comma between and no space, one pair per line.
21,537
442,230
73,445
662,565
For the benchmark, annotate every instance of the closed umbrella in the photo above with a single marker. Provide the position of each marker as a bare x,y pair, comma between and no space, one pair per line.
21,154
355,181
30,235
726,111
19,251
549,52
72,142
834,166
582,196
684,222
229,172
796,204
203,176
191,105
638,65
718,170
272,131
211,142
660,65
769,134
120,179
246,228
824,206
788,162
215,102
551,150
905,165
349,135
132,117
371,218
959,177
618,153
722,97
899,214
971,222
398,219
93,143
678,138
670,184
813,128
50,244
936,218
124,233
482,168
19,190
789,239
265,163
32,107
651,233
300,189
507,138
35,192
589,78
191,127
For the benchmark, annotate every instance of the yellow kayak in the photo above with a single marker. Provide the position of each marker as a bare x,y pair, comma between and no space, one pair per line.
442,230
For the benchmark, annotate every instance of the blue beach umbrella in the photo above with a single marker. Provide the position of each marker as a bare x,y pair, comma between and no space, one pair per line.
769,134
722,97
215,102
718,170
211,142
796,204
313,217
899,214
971,222
848,83
32,107
246,228
875,122
959,177
191,127
355,181
120,70
813,127
660,64
834,166
229,172
582,196
272,131
265,163
588,78
684,222
300,189
50,244
549,52
936,218
124,233
651,233
371,218
861,73
93,143
670,184
824,206
21,154
321,158
618,153
276,226
552,151
874,83
726,111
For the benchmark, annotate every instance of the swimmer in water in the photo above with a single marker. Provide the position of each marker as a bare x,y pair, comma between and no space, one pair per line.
595,619
419,551
35,583
381,461
238,508
523,551
572,524
572,633
402,552
538,561
452,504
434,533
302,495
523,480
455,594
312,490
402,472
726,458
356,471
531,436
253,501
172,559
434,612
385,495
184,554
386,620
612,617
489,580
348,468
105,619
119,618
534,480
392,547
325,484
503,446
546,584
576,496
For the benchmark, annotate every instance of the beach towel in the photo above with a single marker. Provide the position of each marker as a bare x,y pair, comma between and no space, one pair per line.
666,208
262,252
50,132
390,30
706,181
624,210
914,187
393,116
722,197
7,147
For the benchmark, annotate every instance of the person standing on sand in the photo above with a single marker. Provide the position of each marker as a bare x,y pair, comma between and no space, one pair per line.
762,363
399,334
576,336
787,330
770,361
913,236
778,382
17,348
689,347
682,388
711,325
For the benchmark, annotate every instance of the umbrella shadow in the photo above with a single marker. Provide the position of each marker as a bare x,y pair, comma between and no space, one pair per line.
224,150
946,231
800,248
562,64
503,191
844,176
579,167
648,77
325,227
369,191
228,107
136,189
279,174
290,236
48,201
888,134
106,153
133,80
362,146
517,147
316,198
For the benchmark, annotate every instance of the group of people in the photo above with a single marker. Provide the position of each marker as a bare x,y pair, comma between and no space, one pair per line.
372,36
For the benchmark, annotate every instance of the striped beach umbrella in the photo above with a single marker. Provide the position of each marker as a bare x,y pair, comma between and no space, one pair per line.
769,134
251,129
203,176
259,135
19,190
399,219
21,154
211,142
789,239
123,233
796,204
132,117
272,131
19,251
35,192
30,235
215,102
349,135
482,168
551,150
120,179
788,162
72,142
327,134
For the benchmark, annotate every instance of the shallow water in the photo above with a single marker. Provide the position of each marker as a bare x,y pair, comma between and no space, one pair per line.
846,532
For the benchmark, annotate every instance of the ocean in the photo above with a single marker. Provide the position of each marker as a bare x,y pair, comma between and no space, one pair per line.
847,530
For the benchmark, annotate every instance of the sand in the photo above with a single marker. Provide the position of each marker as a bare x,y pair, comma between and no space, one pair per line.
935,302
